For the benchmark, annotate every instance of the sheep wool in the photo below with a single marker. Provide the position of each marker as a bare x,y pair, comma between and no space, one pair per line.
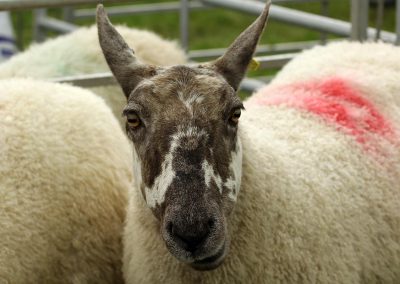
65,168
320,194
79,53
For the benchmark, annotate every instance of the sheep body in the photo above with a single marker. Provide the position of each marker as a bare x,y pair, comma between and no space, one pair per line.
79,53
320,195
65,167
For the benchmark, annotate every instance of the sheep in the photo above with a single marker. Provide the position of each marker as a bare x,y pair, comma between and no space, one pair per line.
65,169
78,53
317,162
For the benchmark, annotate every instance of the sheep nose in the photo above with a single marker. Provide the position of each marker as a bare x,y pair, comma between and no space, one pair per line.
190,236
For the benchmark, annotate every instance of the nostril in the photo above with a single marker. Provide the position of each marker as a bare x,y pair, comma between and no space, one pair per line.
191,243
190,239
190,236
170,229
211,223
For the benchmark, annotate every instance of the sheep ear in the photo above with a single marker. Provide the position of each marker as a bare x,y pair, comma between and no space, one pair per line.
120,58
233,64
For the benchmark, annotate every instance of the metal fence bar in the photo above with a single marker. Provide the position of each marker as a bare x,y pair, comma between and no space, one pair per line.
278,47
100,79
384,35
88,81
324,12
298,1
106,79
303,19
158,7
56,25
398,22
251,85
38,34
68,14
359,19
287,15
32,4
184,24
275,61
138,9
379,18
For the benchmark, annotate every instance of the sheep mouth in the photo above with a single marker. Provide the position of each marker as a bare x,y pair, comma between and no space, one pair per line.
211,262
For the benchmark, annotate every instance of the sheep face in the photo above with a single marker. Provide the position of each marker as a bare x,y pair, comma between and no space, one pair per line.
183,121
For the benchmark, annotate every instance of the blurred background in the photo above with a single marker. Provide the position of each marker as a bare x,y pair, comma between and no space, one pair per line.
205,27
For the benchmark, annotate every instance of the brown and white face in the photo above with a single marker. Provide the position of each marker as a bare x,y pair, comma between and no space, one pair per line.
183,121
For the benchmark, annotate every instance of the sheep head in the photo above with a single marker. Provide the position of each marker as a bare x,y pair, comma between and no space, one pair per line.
183,121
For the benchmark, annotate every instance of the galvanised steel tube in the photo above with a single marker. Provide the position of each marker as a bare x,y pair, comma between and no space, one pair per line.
287,15
103,79
31,4
275,61
100,79
398,22
303,19
56,25
138,9
359,19
184,24
87,80
288,47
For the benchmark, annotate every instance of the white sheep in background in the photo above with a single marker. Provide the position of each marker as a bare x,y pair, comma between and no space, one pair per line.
65,168
320,173
79,53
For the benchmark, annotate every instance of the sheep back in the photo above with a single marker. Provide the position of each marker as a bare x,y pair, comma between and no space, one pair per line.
320,194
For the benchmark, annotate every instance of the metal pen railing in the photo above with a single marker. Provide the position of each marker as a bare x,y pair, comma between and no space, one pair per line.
356,29
12,5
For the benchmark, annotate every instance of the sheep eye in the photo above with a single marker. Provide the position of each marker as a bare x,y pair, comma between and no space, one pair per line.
133,120
235,116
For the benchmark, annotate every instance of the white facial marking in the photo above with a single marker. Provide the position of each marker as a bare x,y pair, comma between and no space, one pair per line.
191,131
137,169
198,99
189,101
147,83
210,174
156,194
234,181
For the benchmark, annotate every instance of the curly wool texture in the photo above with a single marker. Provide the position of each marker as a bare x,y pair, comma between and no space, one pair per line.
79,53
65,168
317,205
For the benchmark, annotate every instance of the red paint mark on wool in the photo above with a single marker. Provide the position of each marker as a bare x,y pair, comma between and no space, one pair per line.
335,100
